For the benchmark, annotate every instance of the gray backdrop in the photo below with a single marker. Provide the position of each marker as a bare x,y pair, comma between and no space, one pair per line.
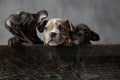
102,16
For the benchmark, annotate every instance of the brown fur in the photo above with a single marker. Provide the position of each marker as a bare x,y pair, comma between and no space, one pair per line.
60,28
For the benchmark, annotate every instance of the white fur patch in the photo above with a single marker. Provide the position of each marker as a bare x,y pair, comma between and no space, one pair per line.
8,22
55,30
54,22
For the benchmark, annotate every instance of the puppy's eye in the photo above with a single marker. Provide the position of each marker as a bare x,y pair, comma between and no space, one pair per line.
79,34
45,28
61,28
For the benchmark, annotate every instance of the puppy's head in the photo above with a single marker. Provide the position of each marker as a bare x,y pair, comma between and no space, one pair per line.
56,31
83,35
23,18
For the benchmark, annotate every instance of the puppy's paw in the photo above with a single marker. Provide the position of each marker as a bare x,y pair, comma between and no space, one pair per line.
27,43
68,42
14,41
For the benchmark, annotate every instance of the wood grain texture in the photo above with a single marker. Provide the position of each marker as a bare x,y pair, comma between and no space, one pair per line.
39,62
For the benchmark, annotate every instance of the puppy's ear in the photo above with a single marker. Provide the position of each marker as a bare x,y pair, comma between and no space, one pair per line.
94,36
42,25
70,25
42,15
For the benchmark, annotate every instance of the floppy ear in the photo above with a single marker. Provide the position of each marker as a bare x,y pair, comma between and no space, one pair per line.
41,26
42,15
94,36
70,25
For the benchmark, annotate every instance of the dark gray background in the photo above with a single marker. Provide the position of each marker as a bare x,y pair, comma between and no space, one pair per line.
102,16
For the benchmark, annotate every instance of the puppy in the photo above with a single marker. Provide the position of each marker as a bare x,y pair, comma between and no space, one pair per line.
83,35
23,27
57,31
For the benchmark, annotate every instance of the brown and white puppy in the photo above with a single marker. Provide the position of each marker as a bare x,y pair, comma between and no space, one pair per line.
23,27
57,31
83,35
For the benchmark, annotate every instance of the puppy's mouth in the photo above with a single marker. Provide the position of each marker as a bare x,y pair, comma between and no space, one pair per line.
55,40
51,40
11,22
16,20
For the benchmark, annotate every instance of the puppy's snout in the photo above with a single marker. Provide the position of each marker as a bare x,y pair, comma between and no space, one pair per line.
53,34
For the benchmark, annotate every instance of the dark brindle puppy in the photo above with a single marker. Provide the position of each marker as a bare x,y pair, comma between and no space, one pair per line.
83,35
23,26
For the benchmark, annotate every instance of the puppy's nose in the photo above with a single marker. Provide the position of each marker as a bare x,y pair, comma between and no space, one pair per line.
53,34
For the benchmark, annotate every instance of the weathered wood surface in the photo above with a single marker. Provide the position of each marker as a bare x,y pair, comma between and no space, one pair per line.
38,62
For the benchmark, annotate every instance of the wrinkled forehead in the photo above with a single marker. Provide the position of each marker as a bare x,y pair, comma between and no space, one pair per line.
54,22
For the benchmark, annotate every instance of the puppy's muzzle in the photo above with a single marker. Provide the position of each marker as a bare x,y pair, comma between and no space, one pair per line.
13,20
53,34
